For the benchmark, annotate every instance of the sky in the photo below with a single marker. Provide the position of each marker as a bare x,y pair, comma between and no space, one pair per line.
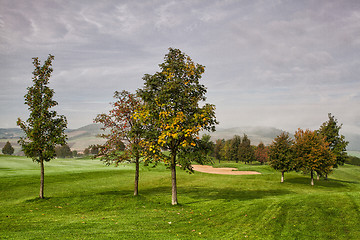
283,64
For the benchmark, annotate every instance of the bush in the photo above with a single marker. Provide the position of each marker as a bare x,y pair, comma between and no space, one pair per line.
8,149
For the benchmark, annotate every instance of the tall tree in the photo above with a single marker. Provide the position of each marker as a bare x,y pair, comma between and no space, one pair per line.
206,146
312,153
246,152
219,144
337,144
8,149
44,129
121,126
234,148
225,150
172,112
281,155
261,153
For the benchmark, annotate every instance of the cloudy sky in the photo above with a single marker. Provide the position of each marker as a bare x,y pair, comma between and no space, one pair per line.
284,64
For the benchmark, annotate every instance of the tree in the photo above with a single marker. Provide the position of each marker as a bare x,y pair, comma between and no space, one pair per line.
225,151
234,148
281,155
8,149
312,153
122,127
261,153
94,149
44,129
337,144
171,112
246,152
74,153
63,151
86,151
206,146
219,145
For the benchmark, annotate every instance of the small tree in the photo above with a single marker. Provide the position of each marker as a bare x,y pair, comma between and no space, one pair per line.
337,144
172,113
74,153
246,152
234,148
206,145
123,127
8,149
44,129
312,153
261,153
86,151
281,155
63,151
219,145
225,150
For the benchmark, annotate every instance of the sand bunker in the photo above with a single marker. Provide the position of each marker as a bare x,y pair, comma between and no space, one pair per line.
228,171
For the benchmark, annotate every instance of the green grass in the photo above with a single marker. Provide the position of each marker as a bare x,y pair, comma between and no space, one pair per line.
87,200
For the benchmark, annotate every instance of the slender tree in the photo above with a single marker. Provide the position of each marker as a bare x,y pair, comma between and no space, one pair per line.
337,144
281,155
261,153
234,148
44,129
312,153
219,144
120,126
225,150
8,149
246,152
172,112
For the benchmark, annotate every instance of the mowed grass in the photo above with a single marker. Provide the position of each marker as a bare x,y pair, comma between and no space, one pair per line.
88,200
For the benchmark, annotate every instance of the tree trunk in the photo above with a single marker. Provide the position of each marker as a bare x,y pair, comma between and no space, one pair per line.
318,176
136,187
312,178
282,177
326,176
174,200
41,195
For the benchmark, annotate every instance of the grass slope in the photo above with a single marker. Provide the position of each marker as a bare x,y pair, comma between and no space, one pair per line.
87,200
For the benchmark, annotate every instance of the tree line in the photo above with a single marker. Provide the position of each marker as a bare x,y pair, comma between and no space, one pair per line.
315,152
240,150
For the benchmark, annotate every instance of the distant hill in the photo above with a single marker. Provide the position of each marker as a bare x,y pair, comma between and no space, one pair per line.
8,133
78,139
81,138
255,134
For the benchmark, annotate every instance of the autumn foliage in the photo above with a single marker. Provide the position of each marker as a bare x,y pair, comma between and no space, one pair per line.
172,114
312,153
121,127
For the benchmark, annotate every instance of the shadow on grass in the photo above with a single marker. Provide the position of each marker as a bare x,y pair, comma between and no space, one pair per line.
330,183
37,199
204,193
228,194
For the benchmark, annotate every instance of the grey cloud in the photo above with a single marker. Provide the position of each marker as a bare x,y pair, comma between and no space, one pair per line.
282,63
